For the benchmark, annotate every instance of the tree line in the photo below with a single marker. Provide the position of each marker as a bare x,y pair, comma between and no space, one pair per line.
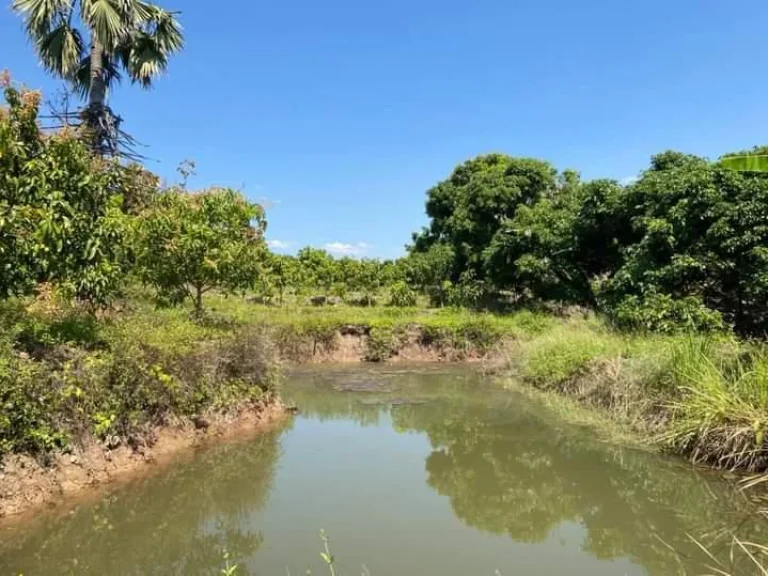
685,245
90,226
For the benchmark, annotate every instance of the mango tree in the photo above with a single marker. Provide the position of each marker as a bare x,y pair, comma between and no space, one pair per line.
60,209
191,243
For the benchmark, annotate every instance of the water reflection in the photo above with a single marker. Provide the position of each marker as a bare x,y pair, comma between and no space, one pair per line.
502,465
509,468
177,522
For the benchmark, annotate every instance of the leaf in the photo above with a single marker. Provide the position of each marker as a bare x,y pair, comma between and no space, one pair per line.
746,163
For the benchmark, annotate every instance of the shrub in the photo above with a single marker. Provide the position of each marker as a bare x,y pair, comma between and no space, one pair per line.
401,296
663,313
60,209
28,407
380,345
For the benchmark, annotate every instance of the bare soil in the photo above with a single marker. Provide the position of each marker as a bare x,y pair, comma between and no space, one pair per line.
351,349
26,484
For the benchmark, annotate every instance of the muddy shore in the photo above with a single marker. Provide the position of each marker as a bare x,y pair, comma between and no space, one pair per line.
26,485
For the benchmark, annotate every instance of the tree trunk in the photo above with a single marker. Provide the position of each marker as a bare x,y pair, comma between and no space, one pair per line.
97,95
198,300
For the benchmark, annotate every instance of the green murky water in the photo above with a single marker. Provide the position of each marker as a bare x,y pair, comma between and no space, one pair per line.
410,472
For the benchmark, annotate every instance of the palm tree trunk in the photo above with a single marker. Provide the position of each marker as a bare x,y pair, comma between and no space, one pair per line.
97,117
97,94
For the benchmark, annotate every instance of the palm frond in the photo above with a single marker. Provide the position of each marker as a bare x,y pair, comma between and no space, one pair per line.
106,20
41,16
146,59
61,50
165,29
142,11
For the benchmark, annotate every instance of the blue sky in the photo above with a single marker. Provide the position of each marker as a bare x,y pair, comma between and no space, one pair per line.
343,113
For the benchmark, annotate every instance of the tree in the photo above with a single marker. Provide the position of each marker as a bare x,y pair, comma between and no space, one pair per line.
369,279
189,244
429,271
283,273
60,209
556,247
701,232
468,208
92,43
318,268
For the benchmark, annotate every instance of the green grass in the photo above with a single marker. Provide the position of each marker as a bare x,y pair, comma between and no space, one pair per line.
705,397
301,331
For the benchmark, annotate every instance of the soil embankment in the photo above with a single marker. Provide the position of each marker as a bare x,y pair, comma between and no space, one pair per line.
26,484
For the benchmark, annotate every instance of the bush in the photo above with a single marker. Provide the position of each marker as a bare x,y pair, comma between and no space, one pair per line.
401,296
66,392
380,345
662,313
60,209
28,418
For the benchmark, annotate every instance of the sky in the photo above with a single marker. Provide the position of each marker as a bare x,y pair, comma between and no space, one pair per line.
340,115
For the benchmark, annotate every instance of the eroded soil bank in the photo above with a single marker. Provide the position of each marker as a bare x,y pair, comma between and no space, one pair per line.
356,343
27,484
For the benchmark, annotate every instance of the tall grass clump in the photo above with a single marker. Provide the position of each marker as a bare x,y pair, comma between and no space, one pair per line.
720,414
562,353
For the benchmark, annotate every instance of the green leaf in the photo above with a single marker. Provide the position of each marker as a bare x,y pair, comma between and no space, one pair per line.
746,163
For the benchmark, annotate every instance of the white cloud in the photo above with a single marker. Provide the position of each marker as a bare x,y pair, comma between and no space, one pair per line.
346,249
279,244
628,180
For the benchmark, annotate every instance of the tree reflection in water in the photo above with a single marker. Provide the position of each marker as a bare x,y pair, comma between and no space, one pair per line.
177,522
510,467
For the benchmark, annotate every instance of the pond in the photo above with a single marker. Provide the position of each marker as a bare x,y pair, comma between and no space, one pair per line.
428,471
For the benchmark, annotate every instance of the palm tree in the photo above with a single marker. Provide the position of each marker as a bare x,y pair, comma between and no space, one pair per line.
118,36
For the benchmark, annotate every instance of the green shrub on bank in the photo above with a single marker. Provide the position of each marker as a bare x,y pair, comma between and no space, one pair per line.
380,345
402,296
56,389
664,314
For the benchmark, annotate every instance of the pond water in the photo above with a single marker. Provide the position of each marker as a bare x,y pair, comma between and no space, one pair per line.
428,472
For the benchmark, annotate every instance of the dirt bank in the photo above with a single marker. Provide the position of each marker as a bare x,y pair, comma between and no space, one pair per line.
26,484
353,344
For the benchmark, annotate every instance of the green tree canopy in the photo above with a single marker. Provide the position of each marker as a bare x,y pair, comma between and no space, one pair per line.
60,208
701,233
191,243
468,208
555,248
318,268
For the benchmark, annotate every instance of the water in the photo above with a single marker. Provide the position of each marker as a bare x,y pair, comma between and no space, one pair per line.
409,472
